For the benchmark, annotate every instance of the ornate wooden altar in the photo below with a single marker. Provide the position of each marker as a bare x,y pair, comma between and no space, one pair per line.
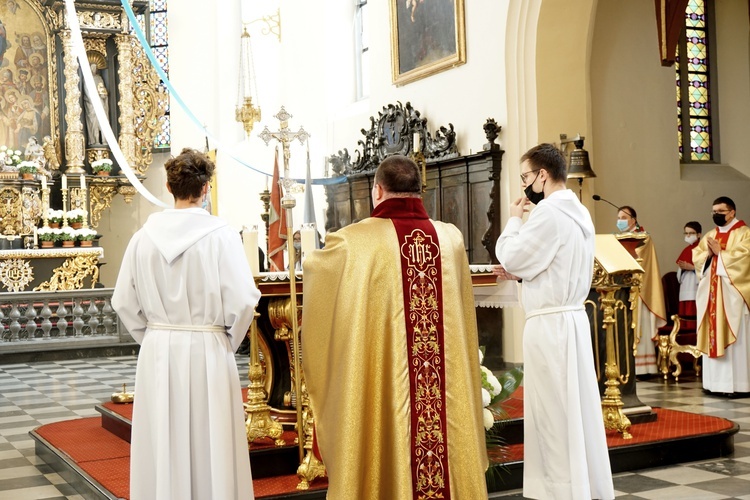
45,111
461,190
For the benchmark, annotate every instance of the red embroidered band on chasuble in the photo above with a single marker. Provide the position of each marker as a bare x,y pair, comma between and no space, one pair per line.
422,282
423,294
722,238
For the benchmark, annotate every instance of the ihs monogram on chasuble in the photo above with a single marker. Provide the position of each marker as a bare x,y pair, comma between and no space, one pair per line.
429,448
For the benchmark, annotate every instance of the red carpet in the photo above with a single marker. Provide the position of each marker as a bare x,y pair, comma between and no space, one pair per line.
105,457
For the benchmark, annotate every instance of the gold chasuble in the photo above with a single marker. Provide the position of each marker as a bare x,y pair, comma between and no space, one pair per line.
390,353
652,293
715,332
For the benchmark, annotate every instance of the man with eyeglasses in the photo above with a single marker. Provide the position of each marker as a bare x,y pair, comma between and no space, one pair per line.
565,449
722,263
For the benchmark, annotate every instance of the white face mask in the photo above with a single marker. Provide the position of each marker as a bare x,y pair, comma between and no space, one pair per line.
691,238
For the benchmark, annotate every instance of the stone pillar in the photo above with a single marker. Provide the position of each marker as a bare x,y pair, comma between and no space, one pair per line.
126,106
75,143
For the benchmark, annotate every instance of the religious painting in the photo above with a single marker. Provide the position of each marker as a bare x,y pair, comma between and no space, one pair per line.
25,76
427,36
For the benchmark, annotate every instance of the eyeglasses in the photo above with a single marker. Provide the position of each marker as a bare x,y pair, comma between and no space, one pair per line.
523,175
722,212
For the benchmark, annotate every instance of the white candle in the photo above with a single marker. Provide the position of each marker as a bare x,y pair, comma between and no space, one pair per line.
44,182
250,241
307,235
83,182
416,142
36,242
64,182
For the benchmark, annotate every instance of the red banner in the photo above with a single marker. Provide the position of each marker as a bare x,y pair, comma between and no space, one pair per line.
276,222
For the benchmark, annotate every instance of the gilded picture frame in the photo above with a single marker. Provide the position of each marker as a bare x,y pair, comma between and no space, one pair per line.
28,75
427,37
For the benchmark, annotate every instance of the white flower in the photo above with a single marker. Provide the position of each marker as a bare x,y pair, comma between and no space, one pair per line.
44,230
102,162
486,398
18,152
493,381
481,356
488,418
3,148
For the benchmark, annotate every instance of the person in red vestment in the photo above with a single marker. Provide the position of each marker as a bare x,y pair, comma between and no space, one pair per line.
686,271
722,264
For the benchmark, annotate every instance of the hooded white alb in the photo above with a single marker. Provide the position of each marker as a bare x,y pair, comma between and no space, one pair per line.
187,269
565,449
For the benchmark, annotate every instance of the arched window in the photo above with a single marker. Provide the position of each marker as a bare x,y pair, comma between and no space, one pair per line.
696,97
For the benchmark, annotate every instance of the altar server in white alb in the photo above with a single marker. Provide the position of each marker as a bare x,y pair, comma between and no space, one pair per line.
565,448
185,292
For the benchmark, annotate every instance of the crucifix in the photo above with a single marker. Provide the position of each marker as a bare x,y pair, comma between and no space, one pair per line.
310,467
284,136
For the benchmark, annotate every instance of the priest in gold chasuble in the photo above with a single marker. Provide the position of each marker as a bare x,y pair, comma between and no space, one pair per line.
390,353
722,264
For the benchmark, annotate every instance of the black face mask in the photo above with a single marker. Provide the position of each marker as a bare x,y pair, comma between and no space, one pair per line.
533,197
720,219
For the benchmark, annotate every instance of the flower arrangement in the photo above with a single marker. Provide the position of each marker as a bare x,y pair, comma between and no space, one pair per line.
67,234
48,234
54,216
491,390
495,391
75,215
103,165
27,167
10,157
85,234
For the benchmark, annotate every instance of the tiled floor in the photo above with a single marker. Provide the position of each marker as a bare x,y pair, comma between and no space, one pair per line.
37,393
725,478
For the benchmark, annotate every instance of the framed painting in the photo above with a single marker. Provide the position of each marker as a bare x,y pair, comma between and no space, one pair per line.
427,36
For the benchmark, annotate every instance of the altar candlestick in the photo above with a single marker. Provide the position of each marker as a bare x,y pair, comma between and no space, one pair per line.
64,182
83,182
44,182
250,241
307,237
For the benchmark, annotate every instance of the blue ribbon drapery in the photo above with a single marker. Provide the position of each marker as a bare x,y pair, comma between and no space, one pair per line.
176,96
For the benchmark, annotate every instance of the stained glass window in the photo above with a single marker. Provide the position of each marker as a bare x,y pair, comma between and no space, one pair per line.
154,25
693,70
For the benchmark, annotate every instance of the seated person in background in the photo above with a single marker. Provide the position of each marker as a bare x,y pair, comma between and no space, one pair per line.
651,311
686,271
627,220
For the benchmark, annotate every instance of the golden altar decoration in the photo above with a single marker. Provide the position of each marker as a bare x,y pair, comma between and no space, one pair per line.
49,269
54,129
614,269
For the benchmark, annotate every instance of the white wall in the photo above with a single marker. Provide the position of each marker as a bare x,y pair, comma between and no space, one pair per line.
311,73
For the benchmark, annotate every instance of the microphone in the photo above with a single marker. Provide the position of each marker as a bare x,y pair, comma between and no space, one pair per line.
596,197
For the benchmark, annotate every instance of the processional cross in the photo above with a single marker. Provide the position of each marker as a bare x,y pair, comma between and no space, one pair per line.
310,467
285,137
